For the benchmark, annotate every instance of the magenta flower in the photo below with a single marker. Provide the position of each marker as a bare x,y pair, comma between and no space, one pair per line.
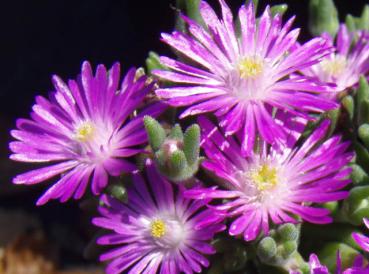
85,128
241,79
362,240
345,66
276,183
158,231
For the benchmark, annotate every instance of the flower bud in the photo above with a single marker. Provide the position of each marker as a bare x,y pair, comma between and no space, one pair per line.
323,17
348,104
176,154
278,9
288,232
266,249
356,206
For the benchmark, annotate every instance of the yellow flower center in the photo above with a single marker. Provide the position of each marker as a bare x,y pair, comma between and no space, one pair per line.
334,66
250,67
84,132
158,229
265,177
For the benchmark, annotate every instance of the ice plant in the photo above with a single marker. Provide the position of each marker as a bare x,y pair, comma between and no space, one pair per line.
275,183
362,240
350,60
158,231
242,78
83,131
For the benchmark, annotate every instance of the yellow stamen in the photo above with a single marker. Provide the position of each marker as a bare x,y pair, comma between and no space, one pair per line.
334,66
158,229
250,67
265,177
84,132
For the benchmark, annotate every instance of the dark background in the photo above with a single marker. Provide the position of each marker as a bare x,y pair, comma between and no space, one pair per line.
43,37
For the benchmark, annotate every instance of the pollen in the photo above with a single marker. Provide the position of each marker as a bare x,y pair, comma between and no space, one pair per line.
250,67
265,178
158,229
84,132
334,66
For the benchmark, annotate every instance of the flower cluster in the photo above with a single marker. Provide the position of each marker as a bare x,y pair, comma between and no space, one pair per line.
273,159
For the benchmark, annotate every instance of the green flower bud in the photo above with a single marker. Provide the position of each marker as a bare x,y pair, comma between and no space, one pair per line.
362,156
177,161
358,174
348,104
323,17
177,155
356,206
350,23
364,134
193,11
288,232
155,132
279,9
363,23
191,144
266,249
153,62
176,133
118,191
287,249
333,115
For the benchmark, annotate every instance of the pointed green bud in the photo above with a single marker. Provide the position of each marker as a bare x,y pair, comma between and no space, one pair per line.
180,24
176,133
350,23
323,17
118,191
177,161
333,115
363,114
191,144
362,99
193,11
362,156
287,249
364,134
160,158
348,103
155,132
358,174
176,155
266,249
364,19
279,9
363,90
356,206
288,232
153,62
331,206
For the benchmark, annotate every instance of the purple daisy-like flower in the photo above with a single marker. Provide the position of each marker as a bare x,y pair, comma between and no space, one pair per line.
242,79
345,66
316,267
85,128
360,239
159,230
277,182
